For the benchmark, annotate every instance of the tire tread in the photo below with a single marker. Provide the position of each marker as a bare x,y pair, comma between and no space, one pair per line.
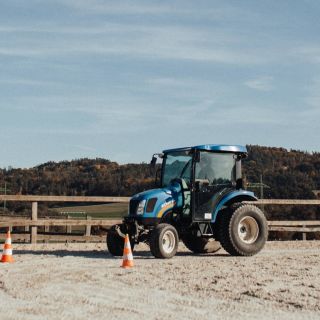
154,240
225,229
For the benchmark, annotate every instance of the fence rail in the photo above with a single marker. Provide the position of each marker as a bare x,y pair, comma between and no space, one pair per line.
33,222
57,222
24,237
25,198
12,222
300,202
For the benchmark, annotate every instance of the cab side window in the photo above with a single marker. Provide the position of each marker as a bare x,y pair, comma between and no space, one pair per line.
215,168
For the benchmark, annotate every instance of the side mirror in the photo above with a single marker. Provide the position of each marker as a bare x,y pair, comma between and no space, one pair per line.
153,162
157,179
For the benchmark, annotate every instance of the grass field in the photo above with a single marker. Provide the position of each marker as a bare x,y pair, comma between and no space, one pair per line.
111,210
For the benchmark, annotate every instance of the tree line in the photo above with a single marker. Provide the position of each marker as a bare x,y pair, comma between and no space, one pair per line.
286,173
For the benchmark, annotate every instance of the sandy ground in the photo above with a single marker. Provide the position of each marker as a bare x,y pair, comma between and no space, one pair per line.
82,281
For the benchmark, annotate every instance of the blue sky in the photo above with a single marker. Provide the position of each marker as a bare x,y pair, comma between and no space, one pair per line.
125,79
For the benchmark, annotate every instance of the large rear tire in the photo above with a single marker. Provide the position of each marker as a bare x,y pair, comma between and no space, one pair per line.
200,245
164,241
115,243
243,230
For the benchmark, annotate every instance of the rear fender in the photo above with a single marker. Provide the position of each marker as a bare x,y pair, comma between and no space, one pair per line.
233,197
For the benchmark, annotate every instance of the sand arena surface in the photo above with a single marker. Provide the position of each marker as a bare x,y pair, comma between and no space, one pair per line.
82,281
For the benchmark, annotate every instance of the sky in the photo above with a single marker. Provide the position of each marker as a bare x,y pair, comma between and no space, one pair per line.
122,80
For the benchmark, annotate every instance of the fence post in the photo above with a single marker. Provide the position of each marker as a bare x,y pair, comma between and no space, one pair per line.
88,227
46,230
34,217
304,234
69,227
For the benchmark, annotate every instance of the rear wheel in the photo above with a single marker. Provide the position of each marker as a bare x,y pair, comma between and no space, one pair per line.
164,241
200,245
115,243
243,230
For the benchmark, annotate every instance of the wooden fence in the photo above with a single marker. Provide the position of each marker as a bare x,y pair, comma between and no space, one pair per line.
33,236
33,222
303,226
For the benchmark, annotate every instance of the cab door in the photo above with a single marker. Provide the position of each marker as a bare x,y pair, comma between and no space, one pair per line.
214,177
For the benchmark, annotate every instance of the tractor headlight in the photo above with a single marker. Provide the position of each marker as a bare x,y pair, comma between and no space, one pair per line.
141,206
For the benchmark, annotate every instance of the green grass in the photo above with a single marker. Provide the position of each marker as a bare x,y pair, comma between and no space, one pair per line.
112,210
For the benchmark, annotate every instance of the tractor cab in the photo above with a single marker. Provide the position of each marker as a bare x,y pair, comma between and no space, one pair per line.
205,173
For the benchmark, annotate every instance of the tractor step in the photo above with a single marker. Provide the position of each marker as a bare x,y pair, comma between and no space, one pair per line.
205,229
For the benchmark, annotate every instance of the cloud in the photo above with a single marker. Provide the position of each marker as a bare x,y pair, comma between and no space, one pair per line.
82,147
312,98
151,41
123,7
26,82
168,82
261,84
185,89
149,8
307,53
79,115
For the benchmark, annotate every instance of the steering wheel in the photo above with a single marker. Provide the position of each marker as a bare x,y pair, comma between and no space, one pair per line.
183,183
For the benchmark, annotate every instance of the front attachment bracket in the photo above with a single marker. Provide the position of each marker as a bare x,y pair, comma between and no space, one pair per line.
117,228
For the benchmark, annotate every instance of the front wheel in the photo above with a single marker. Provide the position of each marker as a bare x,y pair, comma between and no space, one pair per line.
164,241
243,230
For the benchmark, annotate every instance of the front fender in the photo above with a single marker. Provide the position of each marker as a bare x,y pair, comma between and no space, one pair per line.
233,197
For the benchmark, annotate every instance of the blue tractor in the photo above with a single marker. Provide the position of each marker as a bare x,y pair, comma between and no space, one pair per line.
201,201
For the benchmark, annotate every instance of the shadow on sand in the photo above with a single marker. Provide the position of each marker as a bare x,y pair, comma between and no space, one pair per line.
101,254
95,254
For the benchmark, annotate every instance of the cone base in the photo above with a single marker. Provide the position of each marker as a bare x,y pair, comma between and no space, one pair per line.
127,265
8,259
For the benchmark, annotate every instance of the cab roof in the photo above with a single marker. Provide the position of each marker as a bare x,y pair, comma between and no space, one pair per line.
213,148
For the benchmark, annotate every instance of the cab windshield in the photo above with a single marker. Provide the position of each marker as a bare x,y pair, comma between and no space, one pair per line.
177,165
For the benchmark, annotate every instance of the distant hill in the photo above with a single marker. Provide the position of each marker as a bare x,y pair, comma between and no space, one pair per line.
289,174
79,177
284,173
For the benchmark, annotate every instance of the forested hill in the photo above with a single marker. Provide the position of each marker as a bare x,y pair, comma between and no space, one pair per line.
289,174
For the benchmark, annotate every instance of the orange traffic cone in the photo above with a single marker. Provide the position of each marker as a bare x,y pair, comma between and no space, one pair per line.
127,261
7,250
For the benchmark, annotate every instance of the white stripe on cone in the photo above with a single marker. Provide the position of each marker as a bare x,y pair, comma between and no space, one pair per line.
7,252
129,256
8,241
